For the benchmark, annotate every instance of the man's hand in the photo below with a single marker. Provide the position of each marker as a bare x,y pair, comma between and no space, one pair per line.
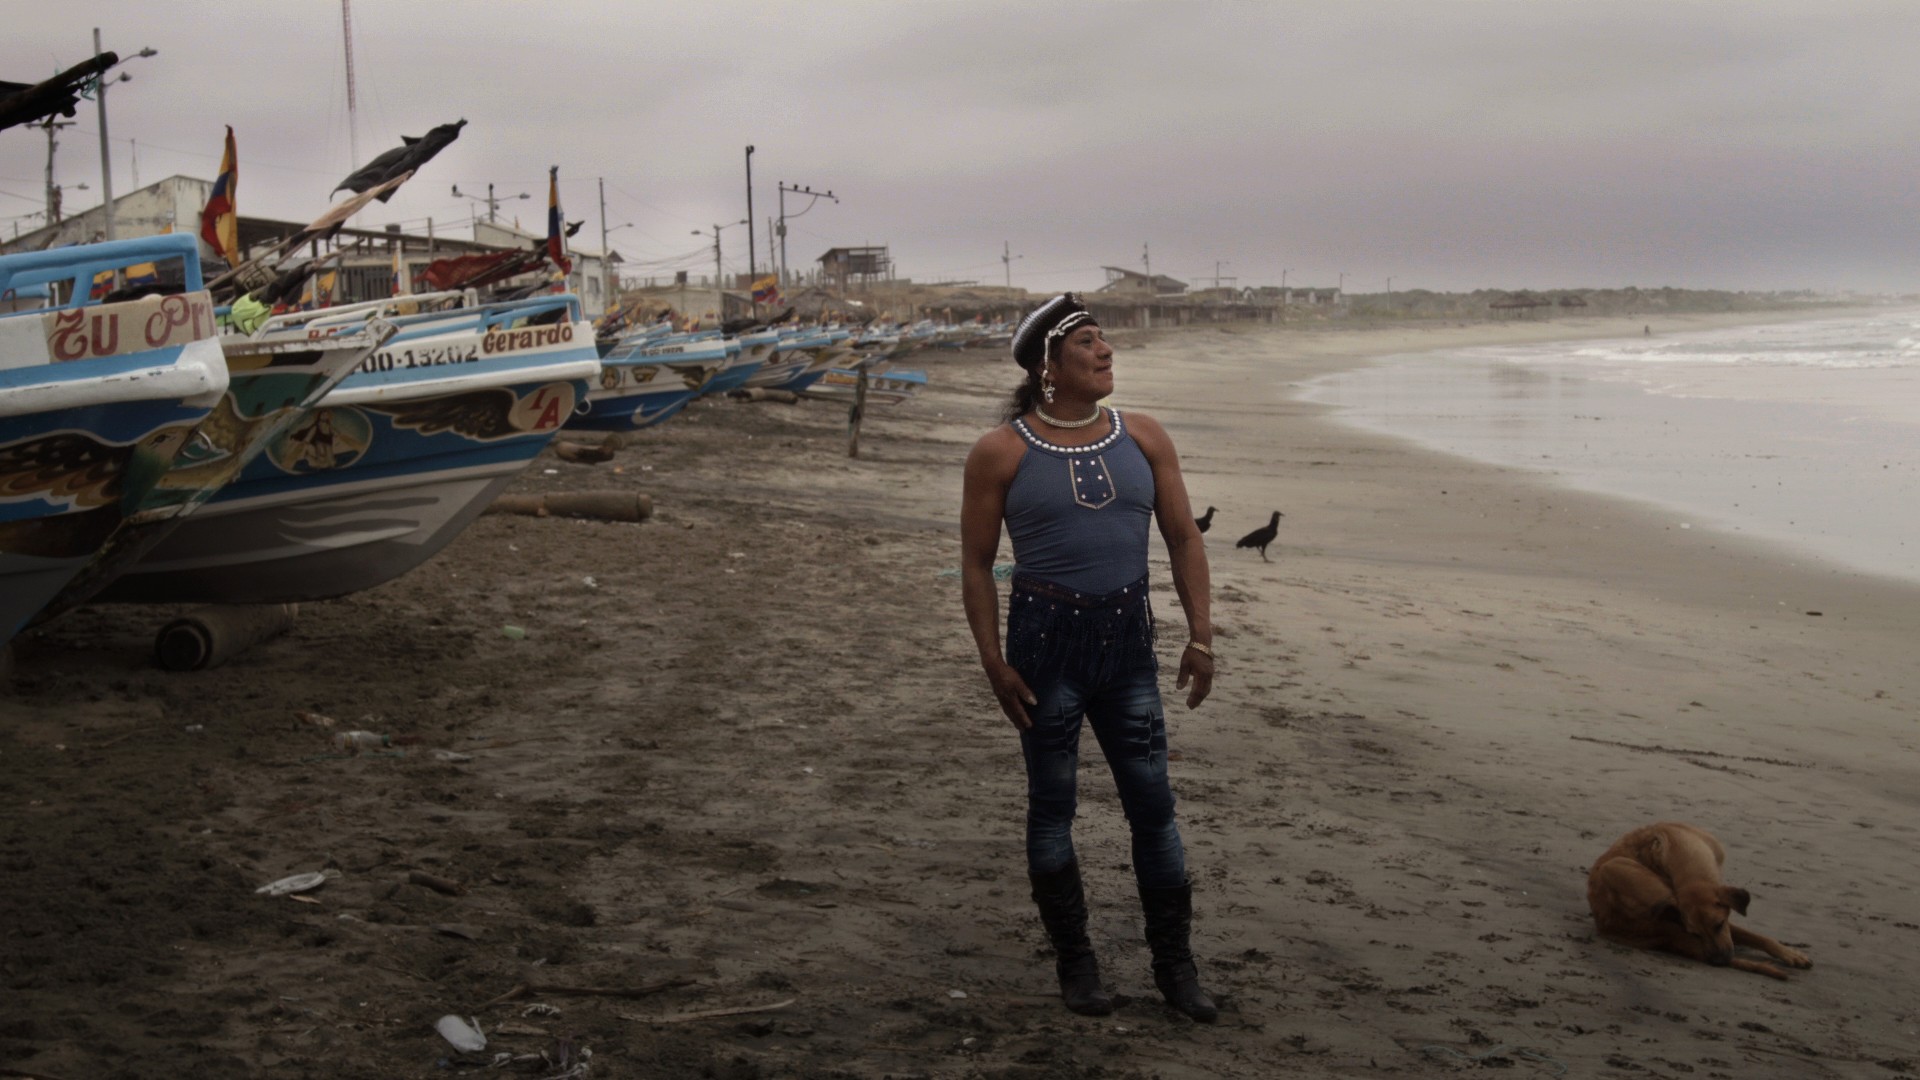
1197,667
1011,691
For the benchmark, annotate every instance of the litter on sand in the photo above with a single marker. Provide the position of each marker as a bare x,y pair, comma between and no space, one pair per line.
461,1034
297,883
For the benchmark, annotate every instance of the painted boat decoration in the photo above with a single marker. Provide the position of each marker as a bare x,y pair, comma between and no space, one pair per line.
826,349
97,400
389,466
743,360
647,378
275,376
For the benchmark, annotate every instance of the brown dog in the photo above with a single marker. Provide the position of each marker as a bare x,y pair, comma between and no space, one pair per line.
1658,887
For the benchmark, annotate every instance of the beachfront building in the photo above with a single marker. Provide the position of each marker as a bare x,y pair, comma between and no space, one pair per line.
1135,286
1130,298
847,267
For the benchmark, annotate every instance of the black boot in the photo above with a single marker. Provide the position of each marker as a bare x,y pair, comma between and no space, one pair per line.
1063,910
1169,913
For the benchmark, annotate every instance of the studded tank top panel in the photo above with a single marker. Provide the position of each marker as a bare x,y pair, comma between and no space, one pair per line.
1078,515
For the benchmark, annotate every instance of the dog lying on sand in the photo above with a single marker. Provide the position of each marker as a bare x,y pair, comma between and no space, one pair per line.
1658,887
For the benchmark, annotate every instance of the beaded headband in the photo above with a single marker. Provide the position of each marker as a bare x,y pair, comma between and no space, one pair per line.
1034,339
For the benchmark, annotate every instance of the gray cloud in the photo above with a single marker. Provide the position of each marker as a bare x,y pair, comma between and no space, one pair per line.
1449,145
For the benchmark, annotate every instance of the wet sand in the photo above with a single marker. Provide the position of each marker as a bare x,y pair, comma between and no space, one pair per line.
752,761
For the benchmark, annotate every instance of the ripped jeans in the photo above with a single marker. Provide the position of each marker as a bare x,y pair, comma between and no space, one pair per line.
1122,702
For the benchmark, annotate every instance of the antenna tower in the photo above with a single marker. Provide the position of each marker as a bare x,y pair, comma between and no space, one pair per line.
346,32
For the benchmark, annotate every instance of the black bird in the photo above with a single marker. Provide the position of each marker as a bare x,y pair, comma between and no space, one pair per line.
1260,538
1205,521
410,154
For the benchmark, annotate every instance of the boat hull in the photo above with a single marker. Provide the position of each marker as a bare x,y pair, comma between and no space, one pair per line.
381,475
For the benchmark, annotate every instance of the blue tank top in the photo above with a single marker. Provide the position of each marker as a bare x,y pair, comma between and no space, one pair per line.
1078,514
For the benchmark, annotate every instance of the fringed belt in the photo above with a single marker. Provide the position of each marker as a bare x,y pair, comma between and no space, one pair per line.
1053,630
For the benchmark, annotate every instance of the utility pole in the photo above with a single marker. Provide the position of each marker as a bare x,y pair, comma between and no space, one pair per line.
606,264
1146,256
106,169
781,228
1389,290
493,204
750,251
1007,256
1217,264
53,190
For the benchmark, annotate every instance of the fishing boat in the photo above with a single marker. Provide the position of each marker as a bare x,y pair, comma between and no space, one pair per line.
647,377
884,387
275,376
390,465
97,399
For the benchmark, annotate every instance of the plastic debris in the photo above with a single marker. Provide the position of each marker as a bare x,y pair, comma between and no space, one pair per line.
451,755
355,741
957,995
297,883
464,1035
517,633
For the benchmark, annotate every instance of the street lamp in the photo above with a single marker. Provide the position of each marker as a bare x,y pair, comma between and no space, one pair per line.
781,228
716,247
106,161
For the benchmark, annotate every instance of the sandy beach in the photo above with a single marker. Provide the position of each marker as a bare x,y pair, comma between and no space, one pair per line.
741,768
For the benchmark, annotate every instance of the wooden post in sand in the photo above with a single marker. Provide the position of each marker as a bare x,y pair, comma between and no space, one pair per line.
858,413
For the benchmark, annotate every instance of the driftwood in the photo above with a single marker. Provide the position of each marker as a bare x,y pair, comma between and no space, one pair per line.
581,453
210,636
761,393
597,505
436,883
708,1014
528,989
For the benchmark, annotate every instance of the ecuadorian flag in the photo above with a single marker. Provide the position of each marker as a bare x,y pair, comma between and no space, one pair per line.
767,290
220,222
556,225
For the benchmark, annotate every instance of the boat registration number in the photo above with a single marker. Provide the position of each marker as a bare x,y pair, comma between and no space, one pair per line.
402,359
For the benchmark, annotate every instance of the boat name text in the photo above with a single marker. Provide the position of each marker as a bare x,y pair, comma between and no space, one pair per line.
499,341
154,322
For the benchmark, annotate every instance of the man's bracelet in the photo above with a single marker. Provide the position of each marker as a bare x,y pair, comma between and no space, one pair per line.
1206,650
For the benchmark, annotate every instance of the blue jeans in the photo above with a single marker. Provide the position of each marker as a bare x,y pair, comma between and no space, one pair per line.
1131,727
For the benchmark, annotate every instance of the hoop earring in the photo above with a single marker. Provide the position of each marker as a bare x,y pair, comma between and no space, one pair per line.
1046,383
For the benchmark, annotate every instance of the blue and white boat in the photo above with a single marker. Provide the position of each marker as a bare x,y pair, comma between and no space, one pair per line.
97,400
390,465
885,386
745,356
649,376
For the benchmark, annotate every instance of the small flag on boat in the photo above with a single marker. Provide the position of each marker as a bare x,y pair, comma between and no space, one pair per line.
399,272
767,290
556,224
220,222
138,274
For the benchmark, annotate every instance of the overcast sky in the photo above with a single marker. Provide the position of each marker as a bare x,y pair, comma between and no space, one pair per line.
1447,145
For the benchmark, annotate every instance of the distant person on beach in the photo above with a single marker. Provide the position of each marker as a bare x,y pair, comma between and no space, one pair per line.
1075,484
